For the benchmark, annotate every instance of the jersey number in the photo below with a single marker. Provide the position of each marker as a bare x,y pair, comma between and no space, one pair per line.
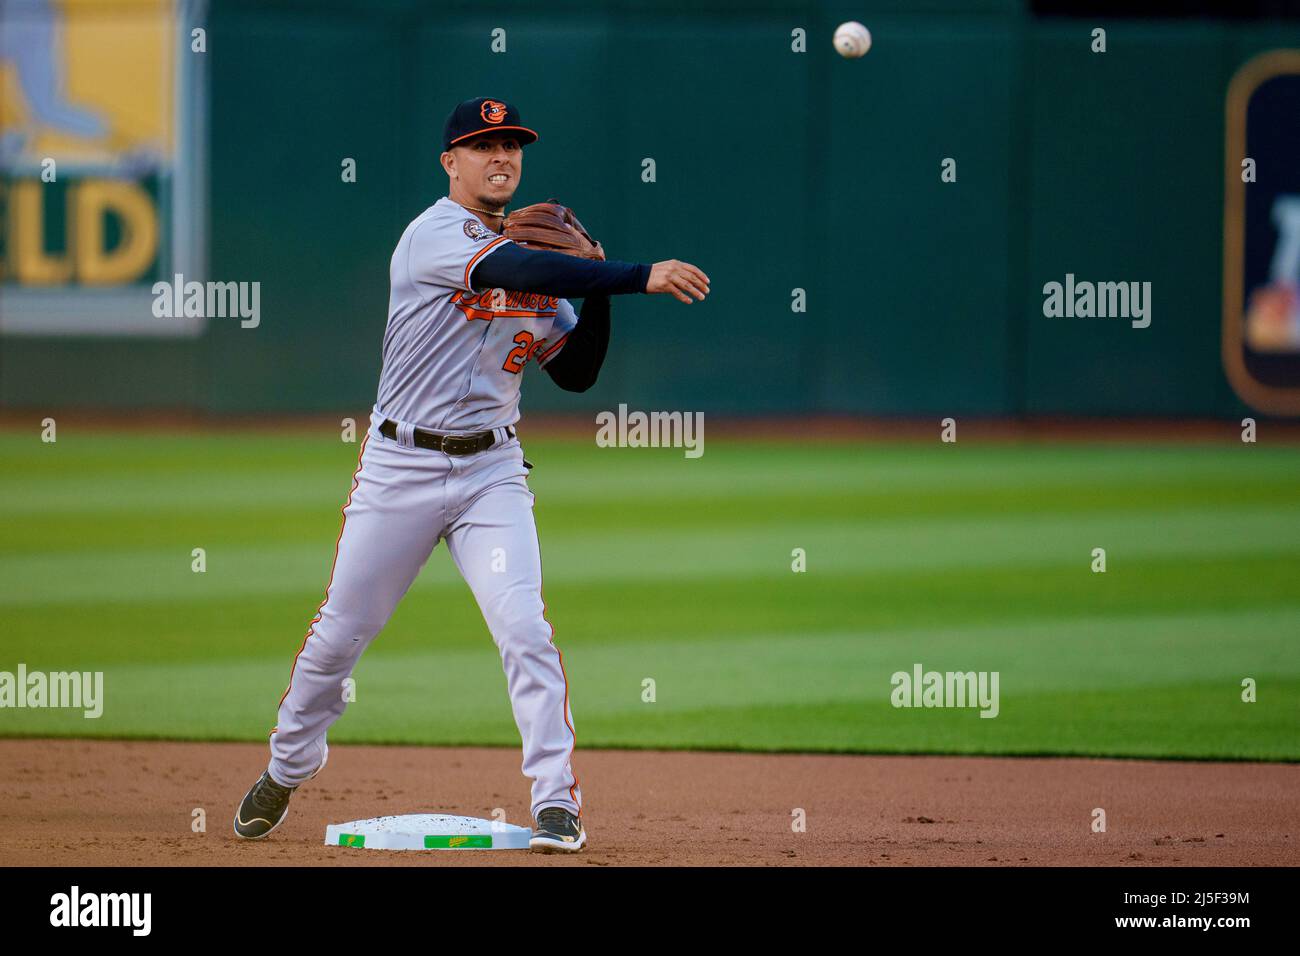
518,356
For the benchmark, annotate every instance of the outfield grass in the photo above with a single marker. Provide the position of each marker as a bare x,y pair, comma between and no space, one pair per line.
959,557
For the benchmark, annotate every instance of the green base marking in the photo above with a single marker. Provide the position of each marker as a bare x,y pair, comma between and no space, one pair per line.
466,842
352,839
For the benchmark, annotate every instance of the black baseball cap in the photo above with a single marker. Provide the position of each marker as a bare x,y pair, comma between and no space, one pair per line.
483,114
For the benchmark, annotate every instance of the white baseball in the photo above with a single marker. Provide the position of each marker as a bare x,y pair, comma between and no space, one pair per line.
852,39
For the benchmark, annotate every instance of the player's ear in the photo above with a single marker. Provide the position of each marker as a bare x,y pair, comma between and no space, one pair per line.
448,160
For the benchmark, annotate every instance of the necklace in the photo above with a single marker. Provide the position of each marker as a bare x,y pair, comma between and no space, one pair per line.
499,215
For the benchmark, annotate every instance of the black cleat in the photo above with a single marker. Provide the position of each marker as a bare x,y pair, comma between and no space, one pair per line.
557,831
264,808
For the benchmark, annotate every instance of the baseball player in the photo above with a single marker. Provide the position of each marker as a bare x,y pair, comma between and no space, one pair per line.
468,309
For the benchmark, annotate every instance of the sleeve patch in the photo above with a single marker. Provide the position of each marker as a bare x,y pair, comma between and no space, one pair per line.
477,231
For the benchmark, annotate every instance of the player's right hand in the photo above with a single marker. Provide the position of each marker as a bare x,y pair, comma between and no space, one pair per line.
679,279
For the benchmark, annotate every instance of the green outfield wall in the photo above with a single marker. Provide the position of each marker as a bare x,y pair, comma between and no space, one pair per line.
774,171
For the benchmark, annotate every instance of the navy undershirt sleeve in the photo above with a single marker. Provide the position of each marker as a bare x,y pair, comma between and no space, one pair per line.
553,273
578,362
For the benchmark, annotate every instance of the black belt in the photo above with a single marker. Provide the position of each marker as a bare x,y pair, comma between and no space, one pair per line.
447,444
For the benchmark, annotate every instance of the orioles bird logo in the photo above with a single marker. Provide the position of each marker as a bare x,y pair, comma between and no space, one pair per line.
492,111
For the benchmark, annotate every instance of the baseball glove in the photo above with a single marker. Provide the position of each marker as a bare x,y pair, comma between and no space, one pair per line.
550,226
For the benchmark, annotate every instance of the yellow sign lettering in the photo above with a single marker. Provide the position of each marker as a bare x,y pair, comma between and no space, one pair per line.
95,199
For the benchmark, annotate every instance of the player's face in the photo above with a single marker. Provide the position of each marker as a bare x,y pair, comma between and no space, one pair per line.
490,166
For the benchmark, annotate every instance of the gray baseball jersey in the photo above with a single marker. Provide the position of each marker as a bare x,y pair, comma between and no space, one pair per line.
453,356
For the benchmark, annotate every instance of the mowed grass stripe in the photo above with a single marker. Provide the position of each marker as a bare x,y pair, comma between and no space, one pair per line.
446,616
160,453
1181,721
1156,698
99,473
263,516
571,555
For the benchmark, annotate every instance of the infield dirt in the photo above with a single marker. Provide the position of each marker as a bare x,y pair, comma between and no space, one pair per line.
118,803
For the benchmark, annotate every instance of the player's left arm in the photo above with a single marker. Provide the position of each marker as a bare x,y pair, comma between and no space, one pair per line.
574,359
